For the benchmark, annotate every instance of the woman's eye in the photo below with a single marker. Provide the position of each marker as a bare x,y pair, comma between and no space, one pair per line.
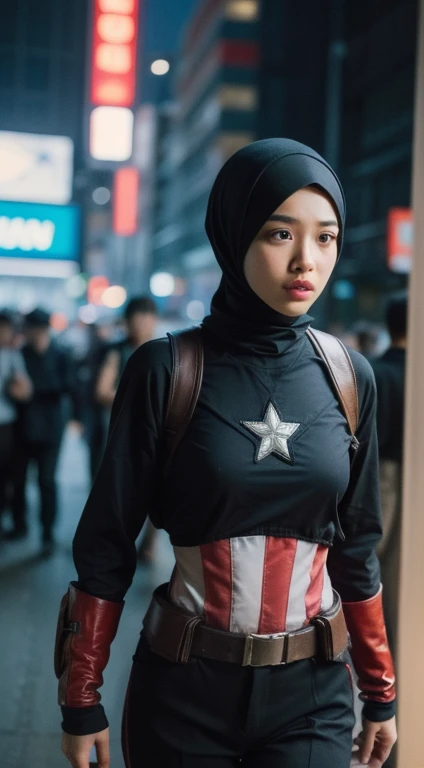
326,238
281,234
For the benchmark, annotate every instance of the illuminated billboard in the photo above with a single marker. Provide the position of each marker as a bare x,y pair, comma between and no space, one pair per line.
36,168
33,231
112,79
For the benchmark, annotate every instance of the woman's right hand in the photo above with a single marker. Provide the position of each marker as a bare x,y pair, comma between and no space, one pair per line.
77,749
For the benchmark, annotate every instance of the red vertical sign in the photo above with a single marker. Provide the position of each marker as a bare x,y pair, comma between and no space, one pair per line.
124,200
114,53
400,235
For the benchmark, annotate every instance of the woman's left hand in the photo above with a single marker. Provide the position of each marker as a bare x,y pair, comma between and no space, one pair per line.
375,742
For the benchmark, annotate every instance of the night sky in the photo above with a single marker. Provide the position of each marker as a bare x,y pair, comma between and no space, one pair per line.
163,22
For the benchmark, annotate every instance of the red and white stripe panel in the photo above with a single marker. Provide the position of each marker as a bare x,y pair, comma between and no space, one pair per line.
259,584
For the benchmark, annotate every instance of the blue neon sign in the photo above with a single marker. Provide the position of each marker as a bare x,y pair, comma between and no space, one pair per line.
34,230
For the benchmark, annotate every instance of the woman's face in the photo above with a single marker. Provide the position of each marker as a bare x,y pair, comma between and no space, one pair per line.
292,257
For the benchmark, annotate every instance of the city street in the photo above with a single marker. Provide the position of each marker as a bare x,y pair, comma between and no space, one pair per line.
168,164
30,592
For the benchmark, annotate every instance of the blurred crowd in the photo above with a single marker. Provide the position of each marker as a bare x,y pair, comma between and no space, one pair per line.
48,380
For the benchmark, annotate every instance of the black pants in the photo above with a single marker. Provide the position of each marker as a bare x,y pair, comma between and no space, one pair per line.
209,714
45,456
7,456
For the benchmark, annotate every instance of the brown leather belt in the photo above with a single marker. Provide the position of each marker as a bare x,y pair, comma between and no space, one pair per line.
177,636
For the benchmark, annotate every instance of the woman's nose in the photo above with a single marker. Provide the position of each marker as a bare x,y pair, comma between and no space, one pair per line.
303,260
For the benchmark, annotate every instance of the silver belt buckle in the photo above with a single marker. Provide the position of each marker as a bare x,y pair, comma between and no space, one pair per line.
249,648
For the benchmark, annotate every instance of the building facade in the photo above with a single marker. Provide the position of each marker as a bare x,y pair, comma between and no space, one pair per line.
376,158
336,75
42,58
215,112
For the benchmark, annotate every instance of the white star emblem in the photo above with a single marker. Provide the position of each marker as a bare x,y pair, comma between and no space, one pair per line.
274,434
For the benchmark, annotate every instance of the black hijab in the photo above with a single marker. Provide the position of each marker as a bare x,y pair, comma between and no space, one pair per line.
251,185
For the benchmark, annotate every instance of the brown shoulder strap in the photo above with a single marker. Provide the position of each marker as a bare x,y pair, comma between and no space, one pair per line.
186,381
339,364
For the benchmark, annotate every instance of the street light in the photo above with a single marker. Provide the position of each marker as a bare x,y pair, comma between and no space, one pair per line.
159,67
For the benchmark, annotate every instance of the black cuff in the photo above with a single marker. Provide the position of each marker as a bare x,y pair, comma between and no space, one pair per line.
379,711
81,721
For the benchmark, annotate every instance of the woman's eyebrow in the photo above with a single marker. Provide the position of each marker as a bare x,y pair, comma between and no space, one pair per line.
284,219
291,220
329,223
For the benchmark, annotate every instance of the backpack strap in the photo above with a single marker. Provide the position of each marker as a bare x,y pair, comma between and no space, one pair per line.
342,373
186,381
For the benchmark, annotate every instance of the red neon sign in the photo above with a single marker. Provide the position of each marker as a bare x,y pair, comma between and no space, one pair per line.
400,235
124,199
114,52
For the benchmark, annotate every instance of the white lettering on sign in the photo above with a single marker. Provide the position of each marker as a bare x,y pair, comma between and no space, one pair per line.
26,234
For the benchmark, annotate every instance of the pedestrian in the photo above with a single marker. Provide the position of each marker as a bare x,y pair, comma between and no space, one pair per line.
140,318
389,370
243,655
15,388
87,367
42,424
367,338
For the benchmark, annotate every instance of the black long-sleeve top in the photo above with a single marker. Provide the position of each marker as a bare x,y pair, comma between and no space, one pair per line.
215,487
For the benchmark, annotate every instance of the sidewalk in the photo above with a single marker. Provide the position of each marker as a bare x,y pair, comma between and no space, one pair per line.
30,592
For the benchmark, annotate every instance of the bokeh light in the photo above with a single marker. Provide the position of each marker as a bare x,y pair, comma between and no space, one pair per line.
76,285
114,296
195,310
87,314
101,195
96,287
159,67
162,284
59,321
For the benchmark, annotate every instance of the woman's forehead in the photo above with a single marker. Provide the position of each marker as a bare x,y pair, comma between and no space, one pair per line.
311,203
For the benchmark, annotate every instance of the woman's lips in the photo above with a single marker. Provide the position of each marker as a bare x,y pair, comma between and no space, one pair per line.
300,294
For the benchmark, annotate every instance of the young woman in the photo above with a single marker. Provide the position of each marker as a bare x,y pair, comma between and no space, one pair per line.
268,516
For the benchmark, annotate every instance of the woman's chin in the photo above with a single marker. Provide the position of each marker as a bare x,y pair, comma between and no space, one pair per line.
293,308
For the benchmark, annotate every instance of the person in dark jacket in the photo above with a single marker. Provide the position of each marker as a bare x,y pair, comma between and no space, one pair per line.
389,371
140,317
87,367
274,525
15,388
42,424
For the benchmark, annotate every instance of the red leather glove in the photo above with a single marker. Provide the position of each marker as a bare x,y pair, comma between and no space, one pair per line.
86,627
370,650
